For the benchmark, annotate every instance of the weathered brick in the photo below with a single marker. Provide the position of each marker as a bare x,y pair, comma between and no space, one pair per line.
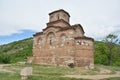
61,43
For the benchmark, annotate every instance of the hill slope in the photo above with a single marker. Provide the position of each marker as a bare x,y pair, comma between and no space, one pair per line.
16,51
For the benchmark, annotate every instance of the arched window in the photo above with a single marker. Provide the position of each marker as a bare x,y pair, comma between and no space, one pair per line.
39,41
50,37
58,16
63,39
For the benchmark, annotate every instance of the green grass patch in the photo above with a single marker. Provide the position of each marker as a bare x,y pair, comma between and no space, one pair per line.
114,78
9,76
52,78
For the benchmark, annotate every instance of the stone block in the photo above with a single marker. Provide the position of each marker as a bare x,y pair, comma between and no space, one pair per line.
26,72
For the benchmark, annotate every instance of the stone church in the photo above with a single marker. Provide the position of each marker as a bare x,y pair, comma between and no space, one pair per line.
63,44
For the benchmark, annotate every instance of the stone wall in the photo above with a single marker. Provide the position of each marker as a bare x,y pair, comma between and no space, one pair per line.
62,44
81,55
59,15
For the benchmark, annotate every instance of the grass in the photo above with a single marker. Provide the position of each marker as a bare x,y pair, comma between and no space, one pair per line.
58,70
113,69
9,76
114,78
52,78
48,72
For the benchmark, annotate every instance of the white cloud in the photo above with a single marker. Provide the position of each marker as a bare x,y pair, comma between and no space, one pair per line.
98,17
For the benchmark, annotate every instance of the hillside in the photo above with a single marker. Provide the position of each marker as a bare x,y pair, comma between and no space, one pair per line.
19,50
16,51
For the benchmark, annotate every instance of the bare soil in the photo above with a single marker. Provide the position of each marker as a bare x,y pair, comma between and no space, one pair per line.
93,77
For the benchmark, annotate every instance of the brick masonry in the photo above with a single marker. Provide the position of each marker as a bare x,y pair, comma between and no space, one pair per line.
62,44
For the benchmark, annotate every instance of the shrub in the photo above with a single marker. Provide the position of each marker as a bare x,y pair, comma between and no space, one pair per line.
5,58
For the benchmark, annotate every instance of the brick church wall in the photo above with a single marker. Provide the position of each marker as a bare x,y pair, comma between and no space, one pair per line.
62,44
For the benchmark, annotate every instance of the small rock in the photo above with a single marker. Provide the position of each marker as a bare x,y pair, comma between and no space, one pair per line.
91,66
26,72
21,62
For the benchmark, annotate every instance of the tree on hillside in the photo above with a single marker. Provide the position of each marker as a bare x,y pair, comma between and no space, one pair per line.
110,42
101,51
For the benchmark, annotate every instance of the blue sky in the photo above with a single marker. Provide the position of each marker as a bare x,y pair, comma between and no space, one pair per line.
19,19
14,37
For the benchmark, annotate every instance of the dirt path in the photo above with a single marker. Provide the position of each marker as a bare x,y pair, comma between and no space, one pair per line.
93,77
5,70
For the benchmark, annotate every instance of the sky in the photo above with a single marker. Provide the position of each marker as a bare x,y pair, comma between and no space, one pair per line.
20,19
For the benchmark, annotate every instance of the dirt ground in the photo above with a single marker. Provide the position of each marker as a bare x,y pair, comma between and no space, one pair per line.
93,77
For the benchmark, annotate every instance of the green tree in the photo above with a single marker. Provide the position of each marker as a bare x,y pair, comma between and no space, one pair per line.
110,42
100,53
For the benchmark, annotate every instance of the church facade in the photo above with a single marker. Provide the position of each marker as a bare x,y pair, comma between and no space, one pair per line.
62,44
